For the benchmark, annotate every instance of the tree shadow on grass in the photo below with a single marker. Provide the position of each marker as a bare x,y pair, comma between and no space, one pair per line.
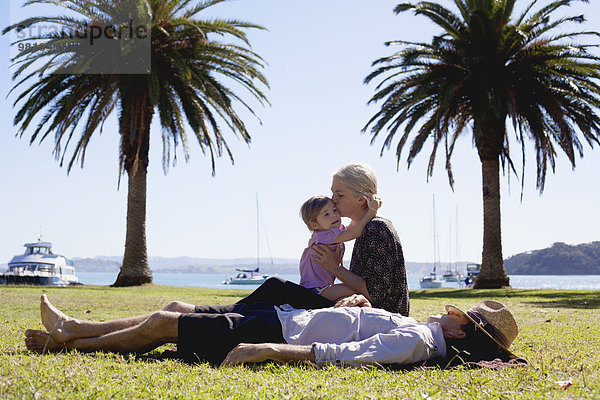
576,299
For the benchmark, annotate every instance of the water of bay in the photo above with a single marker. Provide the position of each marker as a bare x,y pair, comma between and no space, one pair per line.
215,281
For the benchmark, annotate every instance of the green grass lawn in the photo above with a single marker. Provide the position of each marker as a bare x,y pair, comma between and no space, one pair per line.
559,336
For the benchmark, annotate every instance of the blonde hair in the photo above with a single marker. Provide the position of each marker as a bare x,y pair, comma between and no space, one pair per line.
360,178
312,207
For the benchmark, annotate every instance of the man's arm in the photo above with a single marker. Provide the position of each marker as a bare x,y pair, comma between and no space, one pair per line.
251,353
406,345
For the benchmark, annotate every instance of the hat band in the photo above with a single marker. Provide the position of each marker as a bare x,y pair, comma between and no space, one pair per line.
489,328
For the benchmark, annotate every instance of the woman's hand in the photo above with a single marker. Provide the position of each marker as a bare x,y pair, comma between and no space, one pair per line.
355,300
332,262
328,259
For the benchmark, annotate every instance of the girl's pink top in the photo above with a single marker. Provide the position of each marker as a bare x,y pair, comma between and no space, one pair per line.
312,275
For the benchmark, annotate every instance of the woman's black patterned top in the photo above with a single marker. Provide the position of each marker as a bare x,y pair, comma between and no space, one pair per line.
377,257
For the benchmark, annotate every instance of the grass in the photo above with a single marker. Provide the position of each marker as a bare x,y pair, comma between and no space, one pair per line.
559,336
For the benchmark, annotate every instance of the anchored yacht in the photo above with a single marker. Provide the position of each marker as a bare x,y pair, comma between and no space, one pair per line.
247,277
39,266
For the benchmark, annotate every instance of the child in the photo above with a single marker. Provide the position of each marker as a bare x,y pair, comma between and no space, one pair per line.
321,216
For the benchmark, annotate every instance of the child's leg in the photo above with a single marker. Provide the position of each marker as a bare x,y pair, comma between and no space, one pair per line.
278,291
336,292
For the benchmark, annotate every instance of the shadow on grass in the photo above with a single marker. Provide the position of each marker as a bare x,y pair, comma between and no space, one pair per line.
578,299
23,352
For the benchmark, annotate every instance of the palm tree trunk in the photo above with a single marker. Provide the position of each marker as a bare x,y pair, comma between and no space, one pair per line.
135,148
135,270
492,275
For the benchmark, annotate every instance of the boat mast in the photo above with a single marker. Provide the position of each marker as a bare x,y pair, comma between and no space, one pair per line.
449,268
257,235
435,244
456,250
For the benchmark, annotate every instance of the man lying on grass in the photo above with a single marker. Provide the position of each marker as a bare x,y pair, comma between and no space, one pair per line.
352,333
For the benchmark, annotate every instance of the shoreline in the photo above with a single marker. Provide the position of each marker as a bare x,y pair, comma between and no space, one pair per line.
214,281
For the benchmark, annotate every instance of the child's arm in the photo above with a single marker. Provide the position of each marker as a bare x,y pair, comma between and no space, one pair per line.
374,203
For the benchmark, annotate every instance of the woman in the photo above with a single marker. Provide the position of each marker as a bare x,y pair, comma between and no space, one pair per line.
377,268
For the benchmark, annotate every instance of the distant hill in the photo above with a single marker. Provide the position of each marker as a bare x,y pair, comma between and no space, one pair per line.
183,265
560,259
186,265
95,265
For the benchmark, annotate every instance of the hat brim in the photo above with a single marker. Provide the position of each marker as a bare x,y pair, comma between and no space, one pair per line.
458,310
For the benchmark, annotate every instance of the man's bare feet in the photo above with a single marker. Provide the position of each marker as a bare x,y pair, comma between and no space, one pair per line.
56,322
41,342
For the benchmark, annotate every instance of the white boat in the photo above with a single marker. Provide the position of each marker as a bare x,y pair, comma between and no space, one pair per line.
472,272
451,276
246,277
251,276
39,266
430,281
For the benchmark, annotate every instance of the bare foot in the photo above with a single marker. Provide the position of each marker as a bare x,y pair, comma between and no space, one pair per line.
41,342
55,321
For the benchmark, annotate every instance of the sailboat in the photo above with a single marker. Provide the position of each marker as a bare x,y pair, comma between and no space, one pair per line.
250,276
452,275
431,281
246,277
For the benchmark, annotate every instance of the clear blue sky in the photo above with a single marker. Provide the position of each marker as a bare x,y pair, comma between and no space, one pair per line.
318,53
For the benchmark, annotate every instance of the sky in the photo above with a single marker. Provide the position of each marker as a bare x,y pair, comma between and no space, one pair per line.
318,53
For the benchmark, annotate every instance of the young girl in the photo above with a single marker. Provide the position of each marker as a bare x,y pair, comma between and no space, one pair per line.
321,216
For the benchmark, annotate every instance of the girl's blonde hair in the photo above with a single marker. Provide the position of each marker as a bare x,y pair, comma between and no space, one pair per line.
311,208
360,178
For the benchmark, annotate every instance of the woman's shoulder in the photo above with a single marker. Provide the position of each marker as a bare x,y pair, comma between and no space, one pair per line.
379,223
379,226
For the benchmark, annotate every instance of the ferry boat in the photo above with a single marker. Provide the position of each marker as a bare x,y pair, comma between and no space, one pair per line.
39,266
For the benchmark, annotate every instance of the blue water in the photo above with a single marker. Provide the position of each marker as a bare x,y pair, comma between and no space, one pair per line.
579,282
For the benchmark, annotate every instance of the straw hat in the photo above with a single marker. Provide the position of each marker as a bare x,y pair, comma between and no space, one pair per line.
494,319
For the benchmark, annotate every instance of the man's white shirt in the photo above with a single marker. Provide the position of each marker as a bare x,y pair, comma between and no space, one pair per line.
357,336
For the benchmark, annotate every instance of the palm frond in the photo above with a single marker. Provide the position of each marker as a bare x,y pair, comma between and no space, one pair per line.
484,69
191,63
441,16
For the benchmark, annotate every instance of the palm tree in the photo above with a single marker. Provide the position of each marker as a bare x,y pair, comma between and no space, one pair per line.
485,67
178,72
